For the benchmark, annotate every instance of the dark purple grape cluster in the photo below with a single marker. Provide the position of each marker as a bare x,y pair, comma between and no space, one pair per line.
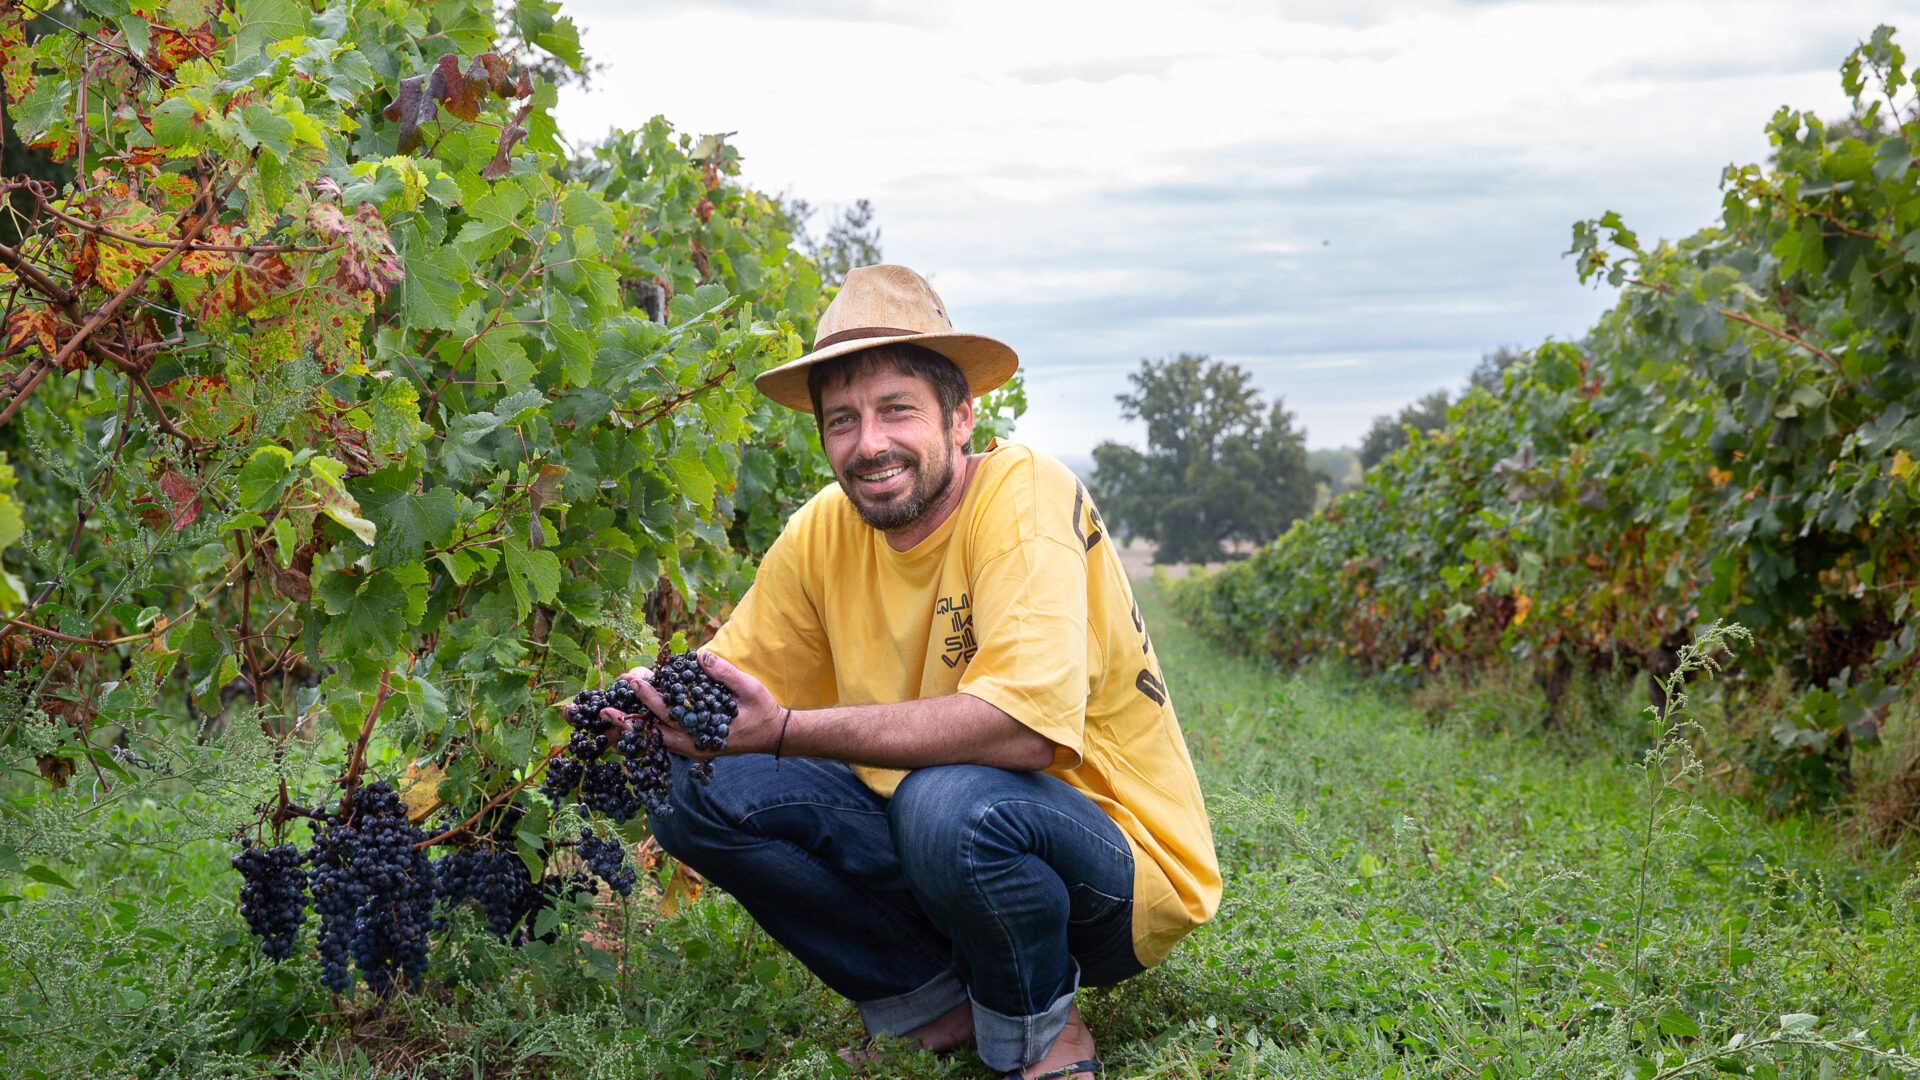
374,892
489,873
647,767
495,879
608,860
638,776
274,898
699,704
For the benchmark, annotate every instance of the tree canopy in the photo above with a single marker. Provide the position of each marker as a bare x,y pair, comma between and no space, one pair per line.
1220,463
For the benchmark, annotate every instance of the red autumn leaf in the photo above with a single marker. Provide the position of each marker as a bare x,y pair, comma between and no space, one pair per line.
492,67
87,262
183,499
410,109
33,322
148,508
451,87
509,137
171,47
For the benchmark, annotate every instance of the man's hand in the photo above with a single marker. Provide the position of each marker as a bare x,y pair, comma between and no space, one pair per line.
755,730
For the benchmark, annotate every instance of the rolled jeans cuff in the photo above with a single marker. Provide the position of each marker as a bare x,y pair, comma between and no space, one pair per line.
901,1013
1007,1043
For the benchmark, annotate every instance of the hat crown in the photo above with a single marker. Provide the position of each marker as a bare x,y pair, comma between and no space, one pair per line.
884,297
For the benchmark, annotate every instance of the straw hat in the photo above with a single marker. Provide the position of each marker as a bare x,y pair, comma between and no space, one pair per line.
884,305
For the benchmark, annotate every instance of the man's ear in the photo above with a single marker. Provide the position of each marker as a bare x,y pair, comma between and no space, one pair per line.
963,424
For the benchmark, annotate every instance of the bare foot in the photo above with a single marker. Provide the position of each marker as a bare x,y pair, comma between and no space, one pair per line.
1074,1044
950,1030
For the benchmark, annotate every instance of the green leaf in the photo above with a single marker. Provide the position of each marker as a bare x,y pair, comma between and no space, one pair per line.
530,857
139,40
374,609
567,649
693,480
1674,1022
534,575
407,523
265,477
259,22
432,293
47,877
326,483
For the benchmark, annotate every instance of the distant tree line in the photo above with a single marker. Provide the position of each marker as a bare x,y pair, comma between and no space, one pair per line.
1429,413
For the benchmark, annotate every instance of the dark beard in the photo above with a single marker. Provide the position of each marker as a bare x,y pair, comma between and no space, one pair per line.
929,487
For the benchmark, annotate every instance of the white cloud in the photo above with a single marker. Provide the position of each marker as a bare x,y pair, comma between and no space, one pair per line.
1354,199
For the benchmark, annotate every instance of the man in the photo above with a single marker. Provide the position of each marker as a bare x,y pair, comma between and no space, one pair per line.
955,789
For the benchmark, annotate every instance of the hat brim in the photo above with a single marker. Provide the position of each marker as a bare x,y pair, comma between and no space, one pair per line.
986,363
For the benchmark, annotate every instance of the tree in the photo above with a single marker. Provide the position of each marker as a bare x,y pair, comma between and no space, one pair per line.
852,240
1220,465
1389,433
1491,373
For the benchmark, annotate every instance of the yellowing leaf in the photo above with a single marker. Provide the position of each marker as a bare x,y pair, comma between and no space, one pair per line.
419,788
1522,607
1902,464
1718,476
683,888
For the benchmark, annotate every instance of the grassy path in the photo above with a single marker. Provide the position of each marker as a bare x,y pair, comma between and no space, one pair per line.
1405,899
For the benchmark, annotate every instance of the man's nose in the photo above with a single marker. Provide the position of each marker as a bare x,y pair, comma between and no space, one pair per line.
873,437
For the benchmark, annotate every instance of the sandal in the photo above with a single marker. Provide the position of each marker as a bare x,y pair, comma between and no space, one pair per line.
1089,1066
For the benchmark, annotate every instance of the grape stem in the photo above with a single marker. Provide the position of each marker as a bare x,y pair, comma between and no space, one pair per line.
357,764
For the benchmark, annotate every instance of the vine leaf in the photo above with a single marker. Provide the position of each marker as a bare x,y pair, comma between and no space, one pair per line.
451,87
368,262
327,483
509,137
184,499
33,322
411,108
16,56
462,92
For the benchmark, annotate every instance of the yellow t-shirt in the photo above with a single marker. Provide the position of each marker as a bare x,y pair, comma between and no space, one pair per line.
1017,599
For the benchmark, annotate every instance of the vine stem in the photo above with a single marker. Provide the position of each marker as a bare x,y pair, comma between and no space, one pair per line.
357,764
1749,320
532,774
660,409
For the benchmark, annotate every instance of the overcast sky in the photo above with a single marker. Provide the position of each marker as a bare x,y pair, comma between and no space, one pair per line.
1352,199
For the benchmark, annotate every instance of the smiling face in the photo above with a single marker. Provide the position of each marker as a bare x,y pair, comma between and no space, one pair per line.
896,455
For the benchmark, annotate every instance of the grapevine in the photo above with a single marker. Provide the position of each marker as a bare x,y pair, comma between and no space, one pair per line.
1736,439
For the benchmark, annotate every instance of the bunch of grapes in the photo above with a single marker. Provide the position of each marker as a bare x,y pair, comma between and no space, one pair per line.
274,898
490,874
374,893
608,860
640,777
701,705
495,879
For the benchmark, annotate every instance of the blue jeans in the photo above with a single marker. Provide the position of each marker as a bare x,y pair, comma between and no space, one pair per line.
1009,889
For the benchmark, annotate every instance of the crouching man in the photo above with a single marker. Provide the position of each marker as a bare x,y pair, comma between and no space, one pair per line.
955,789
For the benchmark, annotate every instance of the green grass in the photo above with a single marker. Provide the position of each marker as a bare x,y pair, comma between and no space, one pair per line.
1403,898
